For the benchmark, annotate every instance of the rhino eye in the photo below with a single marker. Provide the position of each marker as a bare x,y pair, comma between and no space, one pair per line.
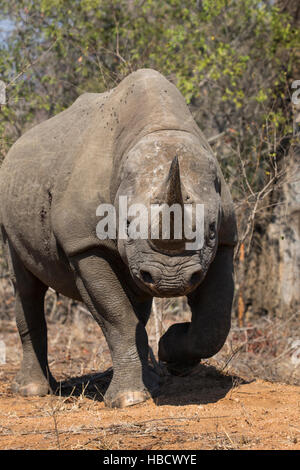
127,227
212,231
129,239
217,185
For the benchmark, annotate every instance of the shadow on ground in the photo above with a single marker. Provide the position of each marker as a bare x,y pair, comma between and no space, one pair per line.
205,384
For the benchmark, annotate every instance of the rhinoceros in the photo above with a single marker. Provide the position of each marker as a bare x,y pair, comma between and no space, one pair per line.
137,140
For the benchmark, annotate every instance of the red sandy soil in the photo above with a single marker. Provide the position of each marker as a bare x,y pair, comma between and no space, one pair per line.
208,409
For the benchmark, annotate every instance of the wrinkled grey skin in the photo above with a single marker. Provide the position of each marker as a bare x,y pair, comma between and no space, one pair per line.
122,142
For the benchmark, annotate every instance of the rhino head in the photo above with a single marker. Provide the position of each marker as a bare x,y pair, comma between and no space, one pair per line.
170,168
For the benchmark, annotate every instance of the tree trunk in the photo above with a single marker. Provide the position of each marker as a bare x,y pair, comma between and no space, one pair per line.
272,277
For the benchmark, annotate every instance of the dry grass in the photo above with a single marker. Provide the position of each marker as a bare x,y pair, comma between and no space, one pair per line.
263,348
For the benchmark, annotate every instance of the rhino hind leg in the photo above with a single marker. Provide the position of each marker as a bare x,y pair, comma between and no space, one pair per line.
34,377
185,344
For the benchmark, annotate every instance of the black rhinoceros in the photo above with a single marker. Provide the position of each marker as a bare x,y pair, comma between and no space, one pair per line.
138,140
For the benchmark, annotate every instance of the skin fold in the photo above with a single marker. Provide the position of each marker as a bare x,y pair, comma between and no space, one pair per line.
138,140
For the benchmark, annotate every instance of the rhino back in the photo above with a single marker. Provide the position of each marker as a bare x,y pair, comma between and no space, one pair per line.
33,178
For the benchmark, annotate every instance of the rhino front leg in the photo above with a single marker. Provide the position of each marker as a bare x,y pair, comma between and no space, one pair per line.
185,344
123,324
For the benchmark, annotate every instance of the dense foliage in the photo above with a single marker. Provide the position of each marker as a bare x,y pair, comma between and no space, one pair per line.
233,60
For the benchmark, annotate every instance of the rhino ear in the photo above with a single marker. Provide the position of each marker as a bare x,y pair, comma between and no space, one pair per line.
173,192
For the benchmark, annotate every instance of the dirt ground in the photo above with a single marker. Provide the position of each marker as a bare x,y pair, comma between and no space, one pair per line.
199,412
209,409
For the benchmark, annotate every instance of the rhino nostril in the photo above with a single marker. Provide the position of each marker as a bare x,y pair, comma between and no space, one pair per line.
147,278
196,277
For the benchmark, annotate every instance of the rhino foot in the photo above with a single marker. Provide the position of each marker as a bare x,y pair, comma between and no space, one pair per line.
180,369
27,386
120,397
127,399
31,389
176,352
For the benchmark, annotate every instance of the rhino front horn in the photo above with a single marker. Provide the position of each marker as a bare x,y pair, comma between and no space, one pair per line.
173,193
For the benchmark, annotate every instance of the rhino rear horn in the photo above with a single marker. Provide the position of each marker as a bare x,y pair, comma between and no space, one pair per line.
171,193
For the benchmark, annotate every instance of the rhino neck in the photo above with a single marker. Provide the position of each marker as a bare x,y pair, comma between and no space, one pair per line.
145,104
